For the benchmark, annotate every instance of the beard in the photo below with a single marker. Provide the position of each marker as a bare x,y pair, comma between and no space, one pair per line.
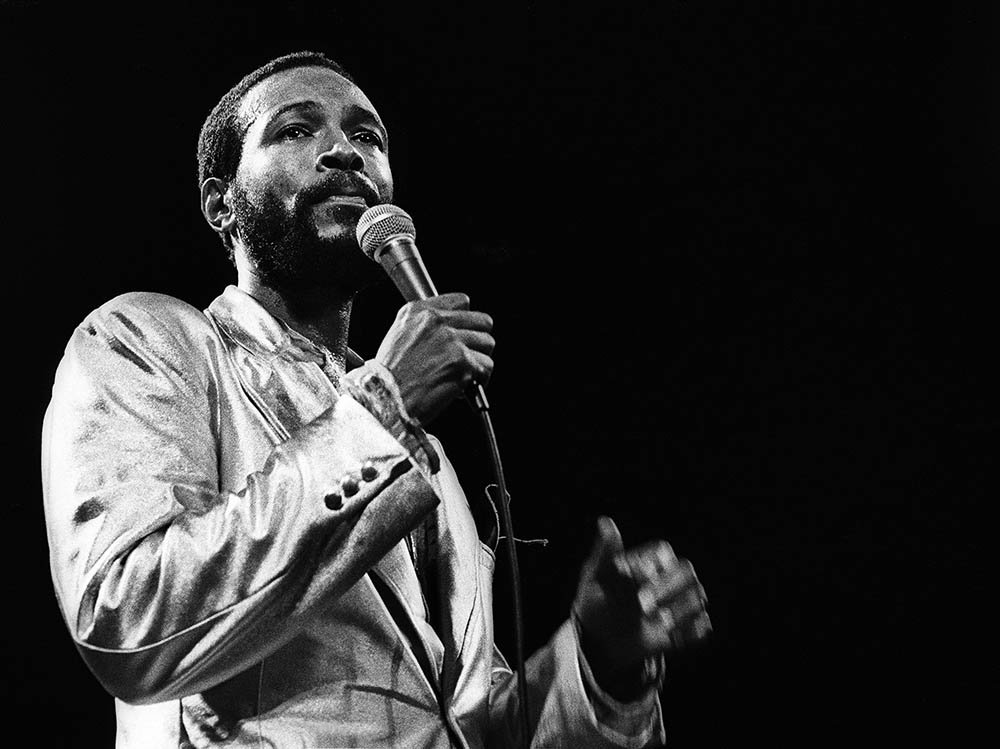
287,250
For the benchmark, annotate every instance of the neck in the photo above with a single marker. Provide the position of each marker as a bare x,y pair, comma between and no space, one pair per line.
321,315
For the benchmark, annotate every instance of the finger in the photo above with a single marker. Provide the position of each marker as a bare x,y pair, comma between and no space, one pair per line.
688,599
673,586
454,300
686,608
700,628
464,319
691,632
477,340
197,736
478,368
665,631
660,629
610,538
606,549
651,560
202,723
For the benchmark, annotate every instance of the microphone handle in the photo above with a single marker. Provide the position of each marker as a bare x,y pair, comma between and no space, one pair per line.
400,259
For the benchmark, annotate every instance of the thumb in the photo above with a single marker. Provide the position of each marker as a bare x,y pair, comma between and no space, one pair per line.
607,545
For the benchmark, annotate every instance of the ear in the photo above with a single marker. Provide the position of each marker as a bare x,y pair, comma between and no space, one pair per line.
217,206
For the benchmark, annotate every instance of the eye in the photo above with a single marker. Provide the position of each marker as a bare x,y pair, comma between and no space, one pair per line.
369,137
293,132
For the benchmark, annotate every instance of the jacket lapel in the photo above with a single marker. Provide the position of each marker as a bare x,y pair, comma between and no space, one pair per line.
395,570
457,568
283,374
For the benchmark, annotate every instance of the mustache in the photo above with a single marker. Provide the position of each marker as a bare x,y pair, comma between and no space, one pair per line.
340,183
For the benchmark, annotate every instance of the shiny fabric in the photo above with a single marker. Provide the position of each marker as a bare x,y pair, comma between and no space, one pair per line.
204,572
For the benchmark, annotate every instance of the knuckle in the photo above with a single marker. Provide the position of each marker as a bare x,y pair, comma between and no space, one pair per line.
451,337
468,360
425,316
664,553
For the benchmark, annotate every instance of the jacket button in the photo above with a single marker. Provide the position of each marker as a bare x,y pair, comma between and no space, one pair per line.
368,471
349,486
333,501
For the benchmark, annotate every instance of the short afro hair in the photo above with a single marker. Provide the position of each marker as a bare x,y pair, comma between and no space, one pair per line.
221,140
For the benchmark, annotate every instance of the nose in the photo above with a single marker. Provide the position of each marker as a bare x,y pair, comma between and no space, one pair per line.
340,154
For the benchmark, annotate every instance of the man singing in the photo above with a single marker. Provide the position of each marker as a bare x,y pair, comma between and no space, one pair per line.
253,540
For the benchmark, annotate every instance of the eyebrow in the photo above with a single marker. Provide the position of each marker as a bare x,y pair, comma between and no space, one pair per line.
358,113
355,112
307,105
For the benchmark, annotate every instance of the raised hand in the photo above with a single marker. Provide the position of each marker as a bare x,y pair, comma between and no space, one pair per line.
634,604
435,349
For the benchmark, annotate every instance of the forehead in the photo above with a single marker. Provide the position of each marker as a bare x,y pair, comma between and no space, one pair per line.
299,84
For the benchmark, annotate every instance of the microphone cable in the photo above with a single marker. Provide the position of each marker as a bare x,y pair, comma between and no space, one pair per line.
386,234
482,407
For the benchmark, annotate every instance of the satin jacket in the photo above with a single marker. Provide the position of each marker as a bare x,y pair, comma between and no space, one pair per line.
229,519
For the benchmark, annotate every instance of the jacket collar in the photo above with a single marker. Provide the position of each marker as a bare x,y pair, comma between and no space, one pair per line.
251,326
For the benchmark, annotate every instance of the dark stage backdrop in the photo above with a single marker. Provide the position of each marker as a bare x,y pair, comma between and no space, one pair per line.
738,258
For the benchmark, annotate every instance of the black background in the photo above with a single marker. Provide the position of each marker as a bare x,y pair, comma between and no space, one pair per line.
739,258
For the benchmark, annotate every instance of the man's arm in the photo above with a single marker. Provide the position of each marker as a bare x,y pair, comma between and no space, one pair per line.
596,682
567,710
168,585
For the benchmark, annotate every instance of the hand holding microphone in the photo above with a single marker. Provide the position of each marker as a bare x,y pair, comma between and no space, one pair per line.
437,347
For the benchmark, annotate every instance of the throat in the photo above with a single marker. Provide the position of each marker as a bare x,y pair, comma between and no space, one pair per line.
322,316
325,322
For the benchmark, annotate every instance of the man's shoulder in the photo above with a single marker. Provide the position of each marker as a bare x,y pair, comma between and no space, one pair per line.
150,308
146,318
153,304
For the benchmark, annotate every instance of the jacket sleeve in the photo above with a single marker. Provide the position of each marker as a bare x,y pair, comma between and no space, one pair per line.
568,708
167,584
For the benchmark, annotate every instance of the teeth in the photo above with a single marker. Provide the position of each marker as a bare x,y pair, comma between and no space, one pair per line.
346,199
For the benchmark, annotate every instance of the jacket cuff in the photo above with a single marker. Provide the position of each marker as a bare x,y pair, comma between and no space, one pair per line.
373,386
625,722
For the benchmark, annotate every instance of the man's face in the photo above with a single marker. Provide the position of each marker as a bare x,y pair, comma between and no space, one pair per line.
315,156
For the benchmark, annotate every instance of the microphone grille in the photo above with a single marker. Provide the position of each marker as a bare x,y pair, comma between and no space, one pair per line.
379,223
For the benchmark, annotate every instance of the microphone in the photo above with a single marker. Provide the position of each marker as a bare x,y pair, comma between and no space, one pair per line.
386,235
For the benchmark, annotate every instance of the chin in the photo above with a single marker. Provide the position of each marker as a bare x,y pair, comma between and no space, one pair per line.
339,262
333,222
